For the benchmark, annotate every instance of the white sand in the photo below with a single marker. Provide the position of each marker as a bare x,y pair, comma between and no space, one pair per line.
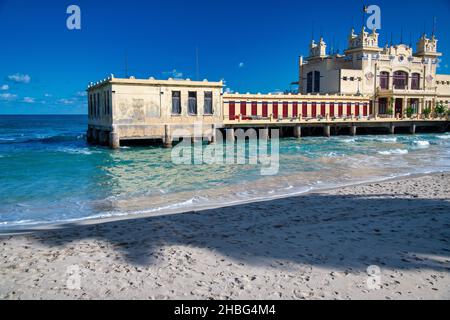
316,246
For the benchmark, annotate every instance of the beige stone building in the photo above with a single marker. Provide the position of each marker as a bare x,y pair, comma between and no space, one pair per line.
133,109
395,77
367,86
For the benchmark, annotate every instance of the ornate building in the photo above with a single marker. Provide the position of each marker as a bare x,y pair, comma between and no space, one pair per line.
395,77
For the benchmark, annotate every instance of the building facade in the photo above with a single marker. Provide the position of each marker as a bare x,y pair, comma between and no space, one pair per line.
395,77
366,86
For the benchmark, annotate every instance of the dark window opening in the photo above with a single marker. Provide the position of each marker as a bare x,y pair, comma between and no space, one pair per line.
208,110
192,103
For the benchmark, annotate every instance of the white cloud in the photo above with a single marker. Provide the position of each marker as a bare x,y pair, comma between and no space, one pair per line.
81,93
241,64
47,95
228,90
20,78
66,101
7,96
4,87
174,74
29,100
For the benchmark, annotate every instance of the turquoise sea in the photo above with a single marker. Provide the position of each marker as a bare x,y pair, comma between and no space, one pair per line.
49,174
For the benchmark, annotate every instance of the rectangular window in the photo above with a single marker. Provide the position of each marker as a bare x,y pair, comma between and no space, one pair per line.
98,105
208,108
275,110
305,109
244,110
314,109
323,110
349,109
332,109
371,107
365,109
232,111
176,102
105,99
192,103
340,109
90,106
285,110
265,109
254,108
295,109
357,109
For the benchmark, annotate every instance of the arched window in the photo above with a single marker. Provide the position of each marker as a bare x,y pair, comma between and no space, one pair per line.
309,82
316,81
384,80
400,79
415,81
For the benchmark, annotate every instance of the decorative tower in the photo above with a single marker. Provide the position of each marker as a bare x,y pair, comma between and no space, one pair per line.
427,48
318,50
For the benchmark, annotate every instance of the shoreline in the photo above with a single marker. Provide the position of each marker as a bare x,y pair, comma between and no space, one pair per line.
312,246
27,229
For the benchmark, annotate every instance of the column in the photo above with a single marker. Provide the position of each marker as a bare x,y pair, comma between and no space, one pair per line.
392,129
327,131
230,135
405,105
264,133
167,137
412,129
353,130
114,140
297,131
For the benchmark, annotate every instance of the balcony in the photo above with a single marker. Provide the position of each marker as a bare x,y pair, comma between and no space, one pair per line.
406,91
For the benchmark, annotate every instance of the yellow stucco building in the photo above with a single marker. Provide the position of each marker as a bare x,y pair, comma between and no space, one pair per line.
367,86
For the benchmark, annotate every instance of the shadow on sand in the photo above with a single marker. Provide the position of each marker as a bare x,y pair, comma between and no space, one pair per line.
323,230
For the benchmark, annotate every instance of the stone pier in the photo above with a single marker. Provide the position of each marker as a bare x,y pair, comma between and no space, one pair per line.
327,131
353,130
230,135
298,132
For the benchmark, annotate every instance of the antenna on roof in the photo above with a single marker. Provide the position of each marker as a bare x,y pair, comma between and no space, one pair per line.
401,35
126,64
197,68
312,30
434,25
410,39
391,39
364,11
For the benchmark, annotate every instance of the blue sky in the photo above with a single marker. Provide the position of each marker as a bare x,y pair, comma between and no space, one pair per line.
253,45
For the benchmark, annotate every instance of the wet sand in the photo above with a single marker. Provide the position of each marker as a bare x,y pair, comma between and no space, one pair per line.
314,246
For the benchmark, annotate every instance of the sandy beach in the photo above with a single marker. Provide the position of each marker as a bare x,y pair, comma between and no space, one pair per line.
386,240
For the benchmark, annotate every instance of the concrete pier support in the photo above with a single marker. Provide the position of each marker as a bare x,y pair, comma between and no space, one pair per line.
264,133
102,136
95,136
114,140
230,135
297,132
213,138
353,130
167,137
327,131
412,129
89,135
392,129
